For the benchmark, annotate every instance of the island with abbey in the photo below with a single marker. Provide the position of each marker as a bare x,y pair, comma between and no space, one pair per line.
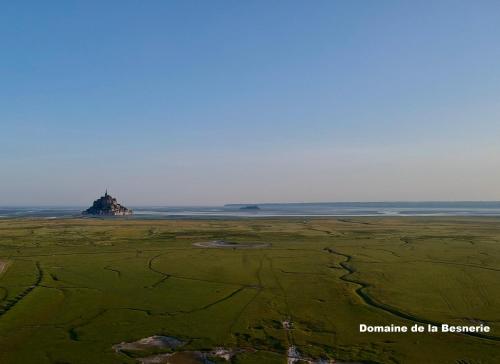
107,206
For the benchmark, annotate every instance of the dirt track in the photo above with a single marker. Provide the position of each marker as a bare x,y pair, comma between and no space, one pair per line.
3,266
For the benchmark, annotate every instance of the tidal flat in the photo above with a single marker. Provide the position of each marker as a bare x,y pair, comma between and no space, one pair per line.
262,290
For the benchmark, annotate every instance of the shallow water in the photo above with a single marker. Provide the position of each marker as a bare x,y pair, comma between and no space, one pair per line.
281,210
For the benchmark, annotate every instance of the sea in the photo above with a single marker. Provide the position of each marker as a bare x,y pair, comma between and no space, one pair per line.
458,208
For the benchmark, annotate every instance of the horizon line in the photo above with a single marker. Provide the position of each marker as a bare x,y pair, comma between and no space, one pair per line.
255,203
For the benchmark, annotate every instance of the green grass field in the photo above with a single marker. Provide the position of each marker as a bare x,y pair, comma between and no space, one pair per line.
70,289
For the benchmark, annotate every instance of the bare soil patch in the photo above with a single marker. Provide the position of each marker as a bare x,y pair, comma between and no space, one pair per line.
191,357
149,343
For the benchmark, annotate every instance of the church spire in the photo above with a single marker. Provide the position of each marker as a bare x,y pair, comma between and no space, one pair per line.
106,193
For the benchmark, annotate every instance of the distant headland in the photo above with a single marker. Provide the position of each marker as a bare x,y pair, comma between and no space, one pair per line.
107,206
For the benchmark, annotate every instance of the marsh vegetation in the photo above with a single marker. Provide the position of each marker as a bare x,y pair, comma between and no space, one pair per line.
122,291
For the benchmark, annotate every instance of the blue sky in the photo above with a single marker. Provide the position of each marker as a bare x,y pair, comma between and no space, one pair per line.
210,102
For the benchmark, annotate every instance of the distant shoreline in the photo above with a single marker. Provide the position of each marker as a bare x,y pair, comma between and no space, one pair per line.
299,210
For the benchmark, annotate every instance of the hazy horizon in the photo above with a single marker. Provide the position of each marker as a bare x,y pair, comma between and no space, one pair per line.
248,203
188,103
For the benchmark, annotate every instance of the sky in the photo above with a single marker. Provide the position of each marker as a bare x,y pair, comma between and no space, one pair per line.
212,102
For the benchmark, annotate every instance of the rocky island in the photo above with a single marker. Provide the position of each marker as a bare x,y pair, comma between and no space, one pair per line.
107,206
250,207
